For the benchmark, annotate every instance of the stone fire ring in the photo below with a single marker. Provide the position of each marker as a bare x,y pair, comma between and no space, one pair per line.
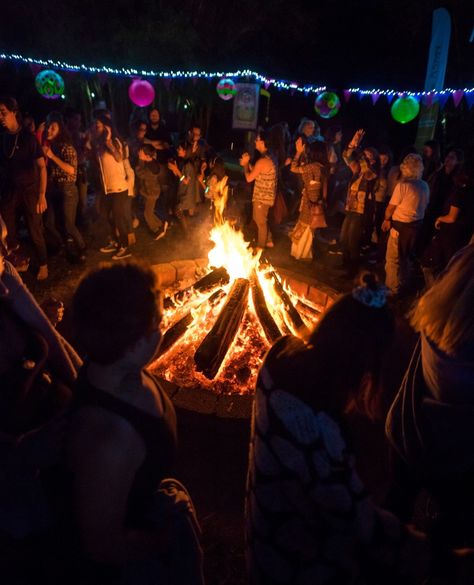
228,405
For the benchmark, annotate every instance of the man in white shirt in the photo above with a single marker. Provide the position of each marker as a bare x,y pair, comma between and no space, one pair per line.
403,217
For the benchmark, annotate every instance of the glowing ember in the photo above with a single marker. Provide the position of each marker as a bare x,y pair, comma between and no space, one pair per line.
211,324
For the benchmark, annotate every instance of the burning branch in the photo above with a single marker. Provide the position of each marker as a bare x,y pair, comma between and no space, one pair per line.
270,328
174,333
290,309
213,349
217,277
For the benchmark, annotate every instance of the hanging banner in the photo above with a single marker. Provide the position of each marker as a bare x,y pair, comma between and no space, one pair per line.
245,114
435,73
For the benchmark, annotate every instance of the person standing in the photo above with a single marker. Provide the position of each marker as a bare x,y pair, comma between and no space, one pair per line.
23,183
63,193
111,154
264,173
403,219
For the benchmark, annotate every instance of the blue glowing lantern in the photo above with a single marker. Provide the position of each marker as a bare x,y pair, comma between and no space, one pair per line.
49,84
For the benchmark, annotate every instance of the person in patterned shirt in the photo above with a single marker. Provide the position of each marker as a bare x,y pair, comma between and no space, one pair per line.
62,192
309,519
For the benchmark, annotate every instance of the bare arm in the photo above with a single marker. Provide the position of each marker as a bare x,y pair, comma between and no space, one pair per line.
450,217
105,457
252,173
43,179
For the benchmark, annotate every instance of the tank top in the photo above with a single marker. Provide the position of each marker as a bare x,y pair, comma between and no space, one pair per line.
264,190
158,434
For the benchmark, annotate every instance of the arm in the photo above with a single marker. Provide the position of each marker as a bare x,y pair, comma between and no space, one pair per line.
25,306
68,166
252,173
43,179
387,222
451,217
105,455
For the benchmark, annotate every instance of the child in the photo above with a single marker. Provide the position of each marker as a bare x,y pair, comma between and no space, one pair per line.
217,190
148,173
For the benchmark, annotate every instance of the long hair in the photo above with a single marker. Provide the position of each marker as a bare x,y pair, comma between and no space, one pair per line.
339,368
64,136
445,314
106,121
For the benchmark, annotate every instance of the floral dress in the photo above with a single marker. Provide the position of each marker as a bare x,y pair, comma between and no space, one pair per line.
309,518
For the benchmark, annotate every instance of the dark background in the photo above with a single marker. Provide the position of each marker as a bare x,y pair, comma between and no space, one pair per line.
363,43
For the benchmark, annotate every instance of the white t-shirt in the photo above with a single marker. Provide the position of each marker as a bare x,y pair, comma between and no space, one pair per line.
411,199
113,172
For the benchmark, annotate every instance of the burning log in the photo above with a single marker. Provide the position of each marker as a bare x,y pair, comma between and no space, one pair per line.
216,277
174,333
213,349
290,309
270,328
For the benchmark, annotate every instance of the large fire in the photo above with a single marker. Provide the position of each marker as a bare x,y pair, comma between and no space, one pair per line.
218,331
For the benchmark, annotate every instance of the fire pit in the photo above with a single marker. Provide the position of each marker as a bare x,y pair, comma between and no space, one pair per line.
218,327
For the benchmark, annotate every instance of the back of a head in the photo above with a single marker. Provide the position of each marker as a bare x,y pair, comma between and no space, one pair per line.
113,307
412,167
445,314
317,152
348,343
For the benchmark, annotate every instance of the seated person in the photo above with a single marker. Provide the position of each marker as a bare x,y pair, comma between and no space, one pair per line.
129,519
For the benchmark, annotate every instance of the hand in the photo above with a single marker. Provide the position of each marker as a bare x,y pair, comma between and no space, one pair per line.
48,153
42,205
203,166
244,159
108,134
299,145
142,155
357,138
173,167
438,223
386,225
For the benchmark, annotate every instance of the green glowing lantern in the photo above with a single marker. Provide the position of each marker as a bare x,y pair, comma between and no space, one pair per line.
405,109
49,84
327,104
226,89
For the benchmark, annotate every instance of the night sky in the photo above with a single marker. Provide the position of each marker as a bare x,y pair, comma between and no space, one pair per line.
363,43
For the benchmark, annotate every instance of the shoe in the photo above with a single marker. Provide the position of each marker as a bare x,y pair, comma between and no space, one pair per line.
160,232
135,223
122,254
111,247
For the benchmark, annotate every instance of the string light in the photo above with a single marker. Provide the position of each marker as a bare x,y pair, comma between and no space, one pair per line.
241,73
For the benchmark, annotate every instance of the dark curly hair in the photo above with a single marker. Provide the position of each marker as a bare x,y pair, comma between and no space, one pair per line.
113,307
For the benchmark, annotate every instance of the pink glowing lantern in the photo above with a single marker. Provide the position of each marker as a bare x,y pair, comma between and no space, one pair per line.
141,92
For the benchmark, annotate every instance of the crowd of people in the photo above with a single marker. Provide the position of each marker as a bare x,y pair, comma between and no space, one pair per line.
351,198
88,437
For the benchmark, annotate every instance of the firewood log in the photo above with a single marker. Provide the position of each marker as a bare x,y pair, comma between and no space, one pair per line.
217,277
270,328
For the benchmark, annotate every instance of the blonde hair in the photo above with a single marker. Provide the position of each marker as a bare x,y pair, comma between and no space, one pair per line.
412,167
445,314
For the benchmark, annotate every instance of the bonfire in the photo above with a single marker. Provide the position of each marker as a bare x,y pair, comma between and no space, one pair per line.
218,330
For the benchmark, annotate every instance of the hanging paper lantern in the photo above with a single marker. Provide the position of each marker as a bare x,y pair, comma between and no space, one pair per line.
49,84
405,109
141,92
327,104
226,89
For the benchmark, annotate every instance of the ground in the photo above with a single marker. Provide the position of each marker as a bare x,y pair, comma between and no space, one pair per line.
213,451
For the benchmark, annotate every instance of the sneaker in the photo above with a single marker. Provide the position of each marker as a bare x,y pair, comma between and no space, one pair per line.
121,254
111,247
160,232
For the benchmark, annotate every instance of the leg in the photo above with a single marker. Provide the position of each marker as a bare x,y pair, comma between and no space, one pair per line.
120,208
392,263
70,201
34,222
151,219
260,215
